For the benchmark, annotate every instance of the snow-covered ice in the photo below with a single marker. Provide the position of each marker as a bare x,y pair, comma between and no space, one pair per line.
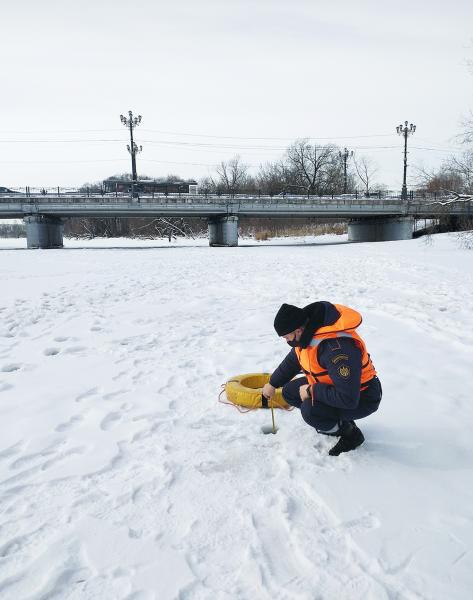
122,477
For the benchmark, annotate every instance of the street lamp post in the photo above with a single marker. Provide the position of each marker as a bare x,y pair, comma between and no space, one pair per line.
133,149
345,156
406,130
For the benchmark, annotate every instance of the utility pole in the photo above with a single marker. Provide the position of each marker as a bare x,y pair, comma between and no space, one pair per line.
345,155
405,130
133,149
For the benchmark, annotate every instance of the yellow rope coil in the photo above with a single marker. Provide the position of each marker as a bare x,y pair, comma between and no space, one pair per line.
245,390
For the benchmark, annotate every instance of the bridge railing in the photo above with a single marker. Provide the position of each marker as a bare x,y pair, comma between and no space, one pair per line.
174,199
84,192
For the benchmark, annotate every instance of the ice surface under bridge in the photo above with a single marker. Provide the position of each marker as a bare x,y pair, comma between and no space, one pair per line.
380,218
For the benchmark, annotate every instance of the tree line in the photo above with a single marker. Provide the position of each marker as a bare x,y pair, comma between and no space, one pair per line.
455,174
305,168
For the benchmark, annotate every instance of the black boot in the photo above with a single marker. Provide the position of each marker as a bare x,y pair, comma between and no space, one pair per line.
350,438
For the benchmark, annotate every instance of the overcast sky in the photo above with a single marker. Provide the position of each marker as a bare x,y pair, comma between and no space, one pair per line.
215,78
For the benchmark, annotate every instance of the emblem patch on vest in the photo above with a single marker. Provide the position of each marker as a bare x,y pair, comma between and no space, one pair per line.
344,371
333,344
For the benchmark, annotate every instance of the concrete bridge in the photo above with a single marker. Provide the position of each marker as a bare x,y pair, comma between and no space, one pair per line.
369,219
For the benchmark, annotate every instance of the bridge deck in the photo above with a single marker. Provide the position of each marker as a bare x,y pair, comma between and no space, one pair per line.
76,205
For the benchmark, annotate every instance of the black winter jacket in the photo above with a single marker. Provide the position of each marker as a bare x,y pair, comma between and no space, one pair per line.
332,354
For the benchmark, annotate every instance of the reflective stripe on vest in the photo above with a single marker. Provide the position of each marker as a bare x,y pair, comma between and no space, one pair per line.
316,341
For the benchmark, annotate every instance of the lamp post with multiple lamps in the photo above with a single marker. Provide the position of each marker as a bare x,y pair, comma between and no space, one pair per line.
406,130
131,122
345,155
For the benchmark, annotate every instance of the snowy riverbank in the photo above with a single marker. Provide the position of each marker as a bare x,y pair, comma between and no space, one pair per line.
122,477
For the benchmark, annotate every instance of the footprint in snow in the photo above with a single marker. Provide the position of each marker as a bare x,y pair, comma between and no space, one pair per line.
110,421
368,521
92,392
15,545
119,375
51,351
68,424
60,457
11,450
135,534
75,349
11,368
112,395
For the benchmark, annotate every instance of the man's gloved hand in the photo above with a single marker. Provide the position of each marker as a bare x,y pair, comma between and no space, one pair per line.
305,392
268,390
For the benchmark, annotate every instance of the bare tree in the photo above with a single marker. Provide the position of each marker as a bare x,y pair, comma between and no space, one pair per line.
309,163
453,178
445,178
466,137
333,180
462,166
232,175
365,169
274,178
207,185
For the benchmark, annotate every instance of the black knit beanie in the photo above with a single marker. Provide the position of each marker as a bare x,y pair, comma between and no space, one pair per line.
288,318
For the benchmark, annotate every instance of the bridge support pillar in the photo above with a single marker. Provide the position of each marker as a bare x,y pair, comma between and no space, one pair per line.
380,229
43,231
223,231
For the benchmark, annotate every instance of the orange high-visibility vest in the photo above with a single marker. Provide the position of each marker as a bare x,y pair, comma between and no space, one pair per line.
345,326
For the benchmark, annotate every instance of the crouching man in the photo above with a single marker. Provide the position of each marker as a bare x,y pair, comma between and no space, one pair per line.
340,383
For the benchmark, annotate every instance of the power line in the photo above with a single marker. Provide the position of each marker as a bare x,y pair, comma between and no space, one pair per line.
54,162
200,135
8,131
162,142
56,141
149,160
170,143
206,145
431,143
174,162
230,137
445,150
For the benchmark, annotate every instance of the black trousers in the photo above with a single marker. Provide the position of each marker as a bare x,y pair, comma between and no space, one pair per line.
325,418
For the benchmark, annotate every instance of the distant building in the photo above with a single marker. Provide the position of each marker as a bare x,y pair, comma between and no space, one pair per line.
149,186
